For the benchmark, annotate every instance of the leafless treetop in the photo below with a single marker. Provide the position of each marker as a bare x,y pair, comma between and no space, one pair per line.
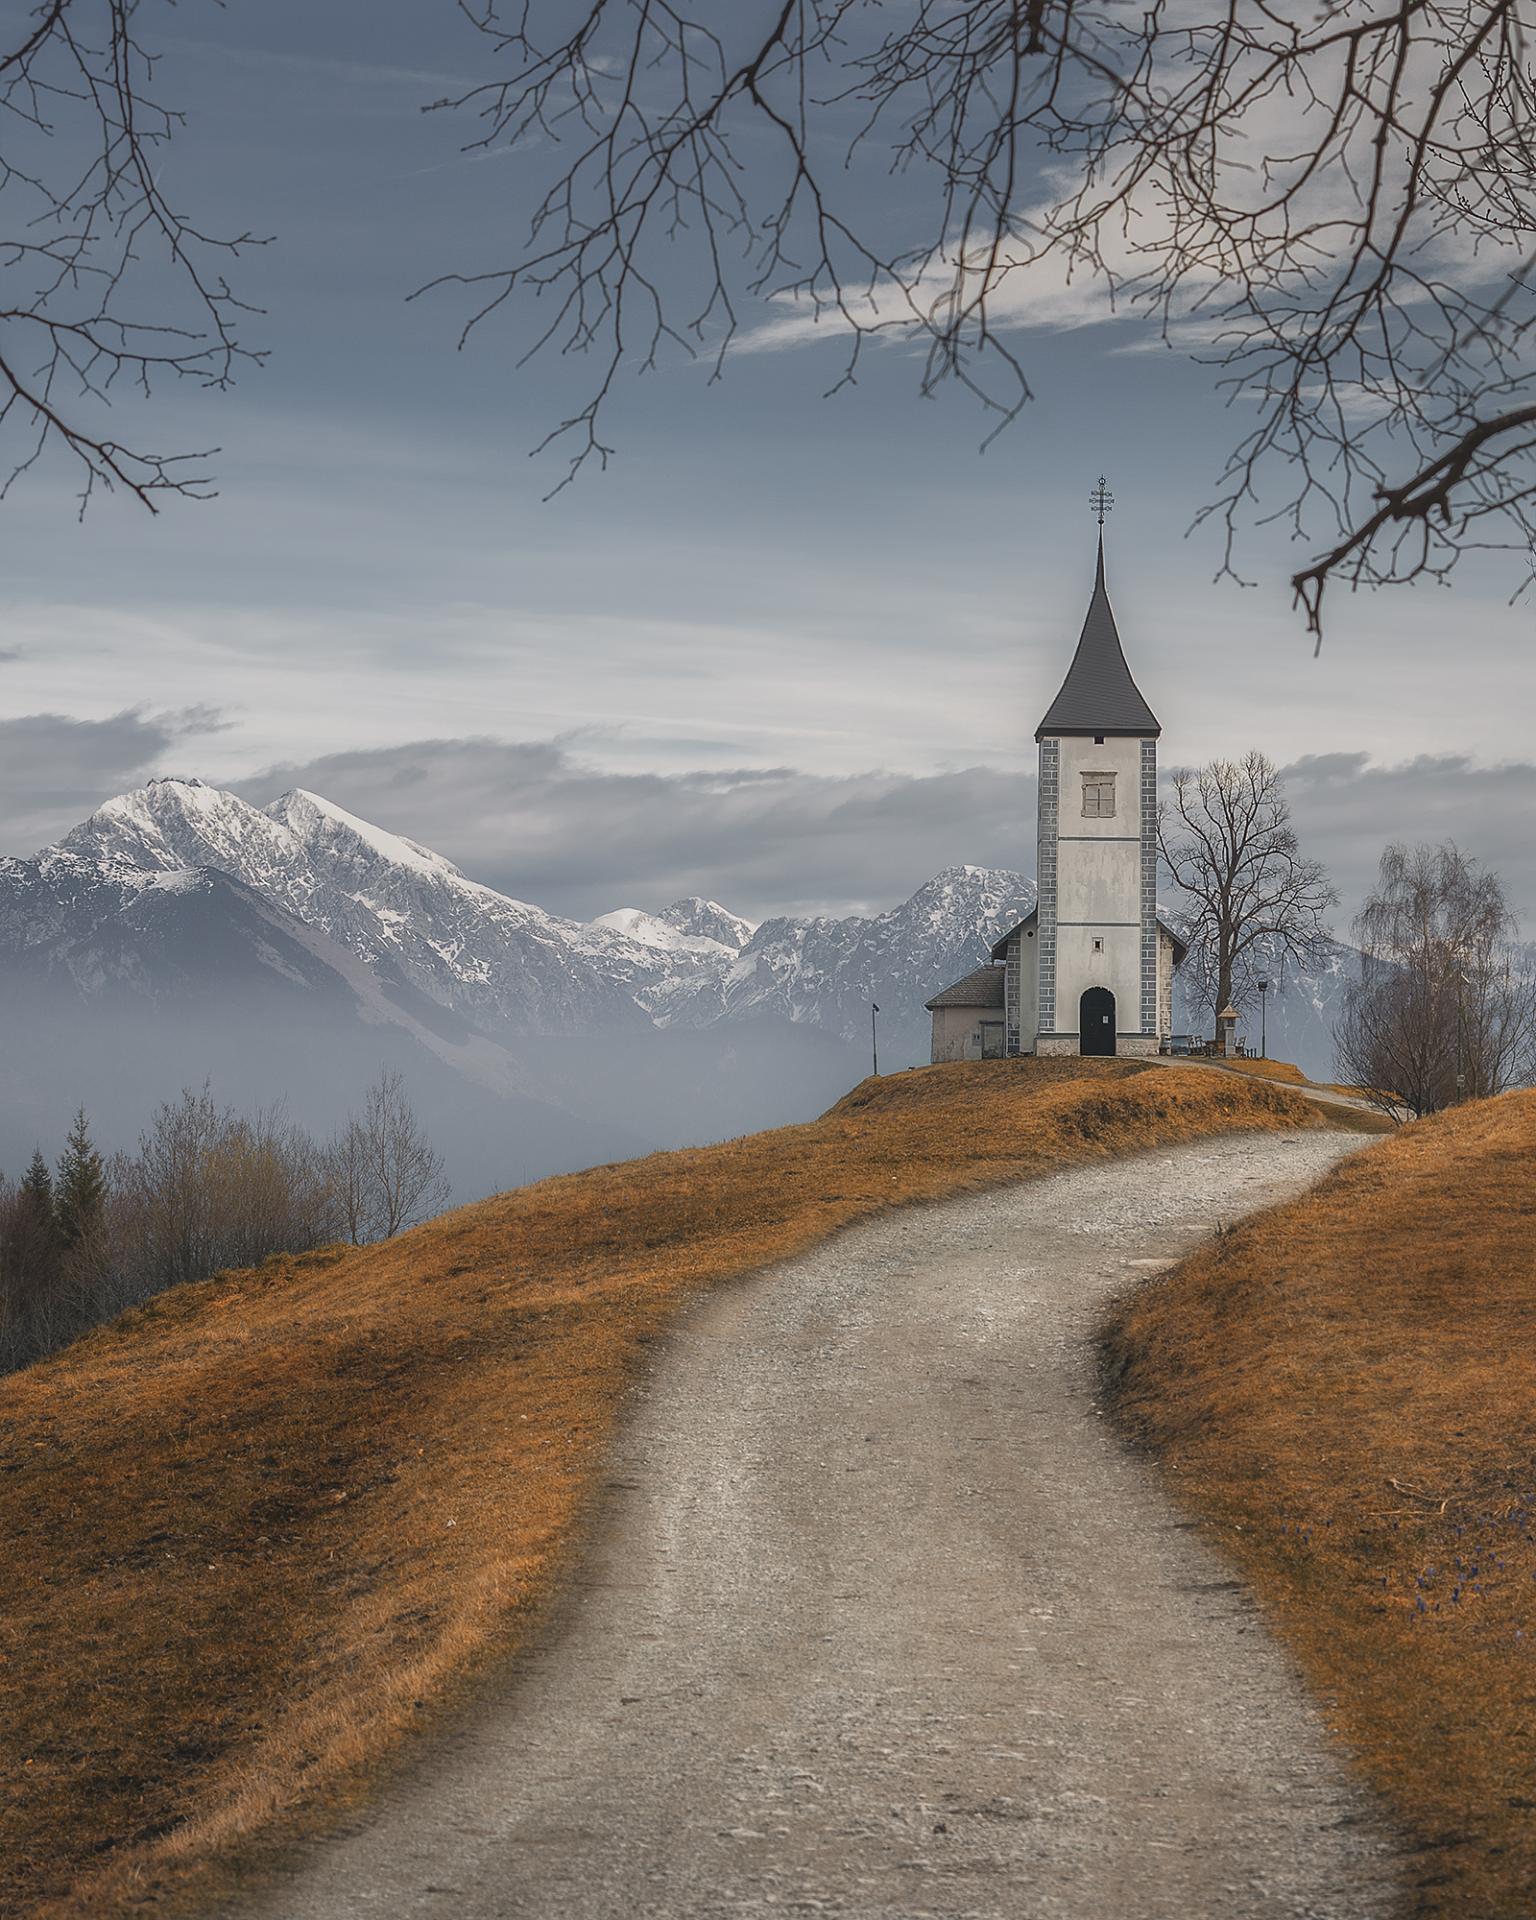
108,285
1332,203
1253,900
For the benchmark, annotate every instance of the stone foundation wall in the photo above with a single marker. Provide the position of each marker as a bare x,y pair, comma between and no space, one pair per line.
1056,1044
1128,1046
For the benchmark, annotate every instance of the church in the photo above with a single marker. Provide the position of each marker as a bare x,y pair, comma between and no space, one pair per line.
1090,969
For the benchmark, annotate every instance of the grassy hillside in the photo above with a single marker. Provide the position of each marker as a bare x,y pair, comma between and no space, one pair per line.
258,1528
1346,1389
1266,1069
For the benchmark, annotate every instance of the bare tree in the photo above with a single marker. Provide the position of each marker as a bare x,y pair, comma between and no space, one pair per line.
1444,1007
348,1166
383,1171
1253,900
108,287
406,1172
209,1189
1333,204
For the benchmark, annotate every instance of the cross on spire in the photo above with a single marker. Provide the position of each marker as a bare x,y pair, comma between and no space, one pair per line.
1102,501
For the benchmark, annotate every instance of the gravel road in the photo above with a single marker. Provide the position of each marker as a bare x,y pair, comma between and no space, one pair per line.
879,1620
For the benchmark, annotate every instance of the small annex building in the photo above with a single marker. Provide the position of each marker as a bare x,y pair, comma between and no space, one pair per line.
970,1018
1090,969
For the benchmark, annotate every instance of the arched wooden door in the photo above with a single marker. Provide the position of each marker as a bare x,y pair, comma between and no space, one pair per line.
1096,1021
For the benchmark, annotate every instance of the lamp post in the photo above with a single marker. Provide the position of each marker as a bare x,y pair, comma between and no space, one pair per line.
874,1040
1462,982
1263,1019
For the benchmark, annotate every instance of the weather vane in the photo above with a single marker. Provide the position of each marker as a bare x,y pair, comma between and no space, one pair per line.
1101,500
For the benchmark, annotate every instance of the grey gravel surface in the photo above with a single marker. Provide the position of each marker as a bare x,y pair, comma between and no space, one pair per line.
880,1619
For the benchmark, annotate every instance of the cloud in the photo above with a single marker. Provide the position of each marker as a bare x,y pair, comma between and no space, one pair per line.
537,821
1347,809
54,769
534,820
1034,281
1030,291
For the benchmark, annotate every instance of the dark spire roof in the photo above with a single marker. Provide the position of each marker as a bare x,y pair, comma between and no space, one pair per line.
1098,694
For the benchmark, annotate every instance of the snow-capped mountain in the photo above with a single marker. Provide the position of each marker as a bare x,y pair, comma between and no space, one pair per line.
405,911
417,923
702,929
119,986
708,920
289,951
826,971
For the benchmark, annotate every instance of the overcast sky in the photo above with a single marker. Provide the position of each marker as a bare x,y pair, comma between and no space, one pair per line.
790,651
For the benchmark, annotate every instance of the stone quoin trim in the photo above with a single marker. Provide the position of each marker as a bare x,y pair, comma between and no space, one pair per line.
1149,886
1045,941
1013,988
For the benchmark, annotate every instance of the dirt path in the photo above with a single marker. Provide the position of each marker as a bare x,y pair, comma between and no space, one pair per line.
881,1621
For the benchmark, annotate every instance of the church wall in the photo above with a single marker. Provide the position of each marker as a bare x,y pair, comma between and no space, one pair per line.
1098,885
1023,991
1101,882
1080,755
966,1033
1118,967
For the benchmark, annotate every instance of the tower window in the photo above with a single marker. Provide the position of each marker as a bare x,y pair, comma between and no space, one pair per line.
1098,796
1098,946
1098,739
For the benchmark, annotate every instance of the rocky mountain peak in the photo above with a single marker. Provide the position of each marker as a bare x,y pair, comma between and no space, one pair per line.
967,895
335,835
708,920
174,823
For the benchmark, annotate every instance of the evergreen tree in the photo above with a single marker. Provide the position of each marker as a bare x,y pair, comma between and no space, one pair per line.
37,1194
81,1195
37,1249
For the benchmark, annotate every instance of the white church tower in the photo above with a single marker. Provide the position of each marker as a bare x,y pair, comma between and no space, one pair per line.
1090,970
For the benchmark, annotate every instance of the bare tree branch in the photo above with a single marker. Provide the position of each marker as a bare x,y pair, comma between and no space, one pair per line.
1333,206
104,283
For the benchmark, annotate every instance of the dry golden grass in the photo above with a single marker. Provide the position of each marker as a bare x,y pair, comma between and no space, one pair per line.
1345,1386
1359,1121
1265,1069
256,1528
